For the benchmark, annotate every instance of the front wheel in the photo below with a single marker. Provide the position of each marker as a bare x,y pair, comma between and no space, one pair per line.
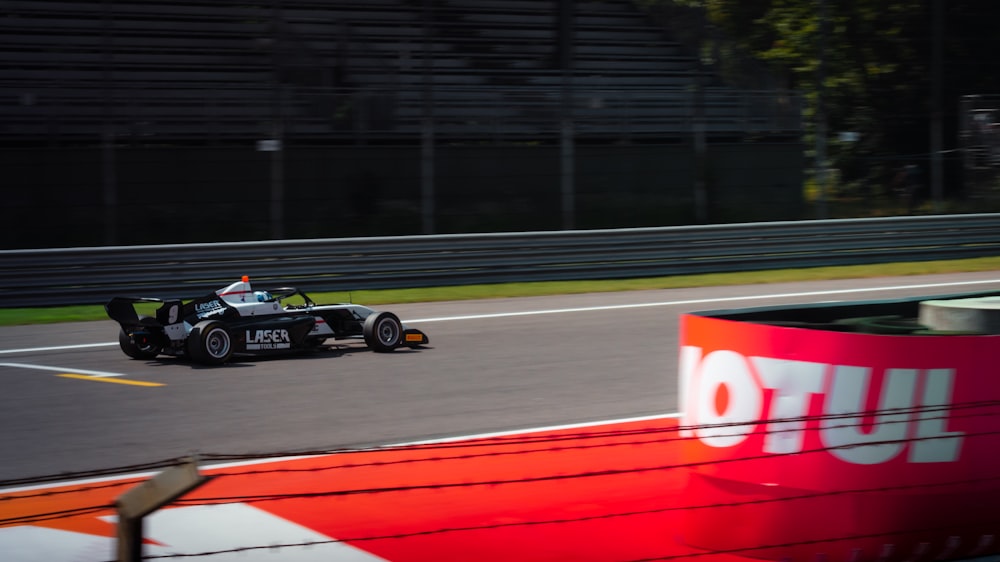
383,332
209,343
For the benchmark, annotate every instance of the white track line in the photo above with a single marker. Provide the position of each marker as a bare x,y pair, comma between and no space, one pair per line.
57,347
614,307
702,301
98,374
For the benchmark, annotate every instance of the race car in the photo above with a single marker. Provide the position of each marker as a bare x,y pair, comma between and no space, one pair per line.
238,320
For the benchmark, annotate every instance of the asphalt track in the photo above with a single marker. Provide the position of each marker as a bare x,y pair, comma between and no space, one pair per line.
493,365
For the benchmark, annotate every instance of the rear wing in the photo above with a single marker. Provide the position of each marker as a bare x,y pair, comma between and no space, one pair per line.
122,310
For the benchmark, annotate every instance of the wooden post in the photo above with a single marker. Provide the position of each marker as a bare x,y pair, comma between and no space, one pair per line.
146,498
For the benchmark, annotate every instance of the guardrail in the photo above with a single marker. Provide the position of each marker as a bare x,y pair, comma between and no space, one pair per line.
61,276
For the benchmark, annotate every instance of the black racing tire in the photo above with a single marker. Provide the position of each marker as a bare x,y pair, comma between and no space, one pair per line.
210,343
383,332
143,349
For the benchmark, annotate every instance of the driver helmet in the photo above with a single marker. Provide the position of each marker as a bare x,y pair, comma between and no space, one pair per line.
263,296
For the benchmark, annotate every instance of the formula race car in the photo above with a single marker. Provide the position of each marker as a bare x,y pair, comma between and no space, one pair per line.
237,320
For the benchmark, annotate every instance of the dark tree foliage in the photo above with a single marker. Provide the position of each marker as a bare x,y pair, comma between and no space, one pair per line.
876,58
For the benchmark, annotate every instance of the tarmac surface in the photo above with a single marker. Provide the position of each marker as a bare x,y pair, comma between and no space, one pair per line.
492,365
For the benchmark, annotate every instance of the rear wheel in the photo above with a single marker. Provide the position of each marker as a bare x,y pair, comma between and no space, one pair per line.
383,331
140,344
209,343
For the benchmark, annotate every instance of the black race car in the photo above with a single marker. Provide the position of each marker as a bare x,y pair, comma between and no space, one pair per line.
237,320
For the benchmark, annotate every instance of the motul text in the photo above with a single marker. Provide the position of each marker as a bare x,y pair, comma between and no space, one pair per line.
911,414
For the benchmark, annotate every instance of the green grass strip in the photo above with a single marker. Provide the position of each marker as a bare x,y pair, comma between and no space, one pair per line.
48,315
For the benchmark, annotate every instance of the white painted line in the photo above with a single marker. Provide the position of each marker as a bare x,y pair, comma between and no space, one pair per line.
99,374
537,430
612,307
57,347
702,301
297,457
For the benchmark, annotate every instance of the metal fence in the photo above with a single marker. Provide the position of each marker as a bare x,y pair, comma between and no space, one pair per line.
151,114
61,276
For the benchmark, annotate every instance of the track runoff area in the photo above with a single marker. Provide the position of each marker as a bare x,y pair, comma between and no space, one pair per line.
613,490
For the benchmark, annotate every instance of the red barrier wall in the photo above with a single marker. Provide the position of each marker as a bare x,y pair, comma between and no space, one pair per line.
602,493
833,445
